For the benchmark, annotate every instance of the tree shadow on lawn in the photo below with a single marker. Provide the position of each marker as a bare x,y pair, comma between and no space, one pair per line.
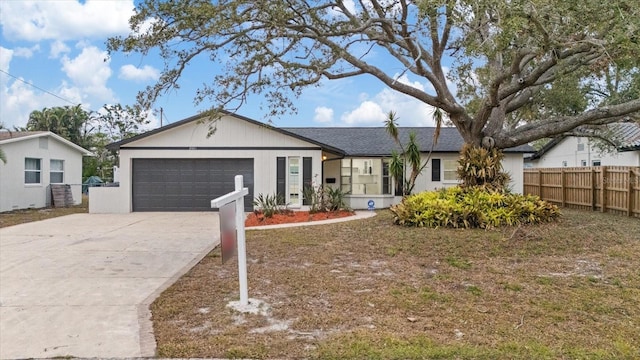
369,289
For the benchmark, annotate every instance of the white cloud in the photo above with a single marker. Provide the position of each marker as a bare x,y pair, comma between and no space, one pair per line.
404,79
130,72
65,20
57,48
90,71
323,115
368,113
372,110
5,59
26,52
18,100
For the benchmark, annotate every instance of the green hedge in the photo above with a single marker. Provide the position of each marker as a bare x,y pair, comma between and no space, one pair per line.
472,208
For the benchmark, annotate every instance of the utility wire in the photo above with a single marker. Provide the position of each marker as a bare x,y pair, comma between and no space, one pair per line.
39,88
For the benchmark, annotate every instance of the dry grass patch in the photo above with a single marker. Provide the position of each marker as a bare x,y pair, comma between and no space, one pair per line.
16,217
368,289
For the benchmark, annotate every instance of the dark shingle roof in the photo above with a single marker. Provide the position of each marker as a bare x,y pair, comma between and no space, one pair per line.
375,141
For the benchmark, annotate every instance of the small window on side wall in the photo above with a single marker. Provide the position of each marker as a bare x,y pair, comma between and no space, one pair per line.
32,171
450,170
56,171
596,163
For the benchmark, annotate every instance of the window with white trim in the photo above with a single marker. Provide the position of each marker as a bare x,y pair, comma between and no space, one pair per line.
365,176
450,170
32,168
56,171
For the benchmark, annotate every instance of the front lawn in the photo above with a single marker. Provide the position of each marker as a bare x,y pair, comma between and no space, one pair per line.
371,290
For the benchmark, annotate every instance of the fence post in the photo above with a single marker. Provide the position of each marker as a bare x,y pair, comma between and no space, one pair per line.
540,183
630,192
593,189
603,189
563,187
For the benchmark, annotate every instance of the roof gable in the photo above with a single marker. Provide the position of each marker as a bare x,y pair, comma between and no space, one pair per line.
7,137
231,131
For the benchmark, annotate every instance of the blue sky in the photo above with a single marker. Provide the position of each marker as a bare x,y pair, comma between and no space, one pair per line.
58,46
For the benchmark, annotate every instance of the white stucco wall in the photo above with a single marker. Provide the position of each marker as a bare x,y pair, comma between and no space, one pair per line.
15,194
233,139
568,152
512,163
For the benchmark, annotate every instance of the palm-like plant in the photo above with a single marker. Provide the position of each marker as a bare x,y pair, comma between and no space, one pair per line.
410,154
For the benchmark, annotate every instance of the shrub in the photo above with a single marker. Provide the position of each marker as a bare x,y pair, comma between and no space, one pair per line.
324,198
472,208
269,204
480,167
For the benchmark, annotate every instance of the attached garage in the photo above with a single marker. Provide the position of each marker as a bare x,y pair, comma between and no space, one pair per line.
186,184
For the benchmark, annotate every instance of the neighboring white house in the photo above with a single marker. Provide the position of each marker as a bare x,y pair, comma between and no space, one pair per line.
178,168
571,151
35,160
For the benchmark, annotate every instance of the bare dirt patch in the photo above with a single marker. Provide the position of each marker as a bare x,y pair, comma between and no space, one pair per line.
258,219
368,289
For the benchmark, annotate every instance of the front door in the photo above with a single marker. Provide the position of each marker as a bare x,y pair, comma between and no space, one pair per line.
294,195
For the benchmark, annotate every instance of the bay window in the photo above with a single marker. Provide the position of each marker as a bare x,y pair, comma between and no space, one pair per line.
365,177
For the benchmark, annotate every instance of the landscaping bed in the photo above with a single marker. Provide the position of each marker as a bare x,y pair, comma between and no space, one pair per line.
367,289
258,219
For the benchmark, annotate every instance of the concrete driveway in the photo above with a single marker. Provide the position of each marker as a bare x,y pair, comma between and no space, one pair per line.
81,285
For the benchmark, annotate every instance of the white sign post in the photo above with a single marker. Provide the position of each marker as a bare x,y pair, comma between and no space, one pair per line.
238,196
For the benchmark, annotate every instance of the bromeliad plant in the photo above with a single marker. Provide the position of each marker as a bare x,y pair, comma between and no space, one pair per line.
269,205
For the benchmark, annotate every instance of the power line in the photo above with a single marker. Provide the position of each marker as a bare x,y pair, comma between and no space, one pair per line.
39,88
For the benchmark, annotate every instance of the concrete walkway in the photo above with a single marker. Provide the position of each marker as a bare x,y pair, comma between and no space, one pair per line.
81,285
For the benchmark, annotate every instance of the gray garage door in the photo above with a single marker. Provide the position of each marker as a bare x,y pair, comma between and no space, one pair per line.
187,184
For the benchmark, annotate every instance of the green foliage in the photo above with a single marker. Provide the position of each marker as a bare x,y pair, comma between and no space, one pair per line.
457,207
482,168
269,205
324,198
3,156
91,130
410,157
516,71
70,122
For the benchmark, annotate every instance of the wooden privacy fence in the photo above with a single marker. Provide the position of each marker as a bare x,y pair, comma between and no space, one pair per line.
614,189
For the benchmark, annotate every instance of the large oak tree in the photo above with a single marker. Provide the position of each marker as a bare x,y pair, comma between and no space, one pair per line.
506,58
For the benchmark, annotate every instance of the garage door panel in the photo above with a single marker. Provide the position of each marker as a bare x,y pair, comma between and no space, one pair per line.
187,184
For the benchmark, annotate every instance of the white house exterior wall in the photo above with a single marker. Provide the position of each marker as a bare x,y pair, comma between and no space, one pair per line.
512,163
230,141
567,152
15,194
